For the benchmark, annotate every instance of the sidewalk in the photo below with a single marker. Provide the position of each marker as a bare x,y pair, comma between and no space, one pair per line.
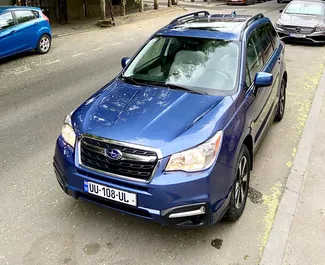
298,233
90,24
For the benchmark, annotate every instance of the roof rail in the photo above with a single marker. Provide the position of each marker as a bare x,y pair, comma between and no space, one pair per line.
251,20
189,16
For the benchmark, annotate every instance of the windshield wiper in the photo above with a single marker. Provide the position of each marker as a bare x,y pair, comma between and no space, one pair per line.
191,90
131,79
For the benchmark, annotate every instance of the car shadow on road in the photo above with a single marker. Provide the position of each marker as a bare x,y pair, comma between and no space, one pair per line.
118,225
13,58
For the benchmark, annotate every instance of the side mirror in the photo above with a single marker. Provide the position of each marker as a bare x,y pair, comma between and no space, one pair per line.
263,79
280,11
125,61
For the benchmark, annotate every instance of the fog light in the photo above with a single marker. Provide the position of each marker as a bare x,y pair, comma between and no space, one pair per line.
199,211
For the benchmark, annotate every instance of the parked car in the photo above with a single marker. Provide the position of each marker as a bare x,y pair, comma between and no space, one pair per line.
23,29
303,20
172,138
243,2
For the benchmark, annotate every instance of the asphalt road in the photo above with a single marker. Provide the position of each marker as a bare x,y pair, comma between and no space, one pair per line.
40,225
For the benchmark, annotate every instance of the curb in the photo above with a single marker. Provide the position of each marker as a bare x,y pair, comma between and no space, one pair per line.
275,248
127,19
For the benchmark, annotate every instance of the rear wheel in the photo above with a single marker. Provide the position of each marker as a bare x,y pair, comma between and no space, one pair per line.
44,44
240,188
281,103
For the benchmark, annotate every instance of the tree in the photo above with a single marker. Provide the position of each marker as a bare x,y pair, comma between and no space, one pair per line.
169,3
141,6
155,4
102,10
123,3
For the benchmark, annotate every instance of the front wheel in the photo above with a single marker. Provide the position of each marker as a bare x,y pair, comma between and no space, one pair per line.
240,188
44,44
282,102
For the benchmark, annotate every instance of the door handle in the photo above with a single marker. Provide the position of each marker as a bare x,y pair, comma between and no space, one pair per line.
13,32
36,23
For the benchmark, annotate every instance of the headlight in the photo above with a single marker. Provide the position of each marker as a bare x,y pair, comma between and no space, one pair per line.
198,158
67,132
278,24
320,28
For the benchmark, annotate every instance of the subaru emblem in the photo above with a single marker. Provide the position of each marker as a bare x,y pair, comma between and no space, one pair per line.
113,154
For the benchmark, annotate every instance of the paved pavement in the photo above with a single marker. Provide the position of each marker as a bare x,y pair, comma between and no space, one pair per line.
41,225
297,236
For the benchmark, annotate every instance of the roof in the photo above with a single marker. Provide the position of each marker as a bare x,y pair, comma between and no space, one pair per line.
205,25
10,8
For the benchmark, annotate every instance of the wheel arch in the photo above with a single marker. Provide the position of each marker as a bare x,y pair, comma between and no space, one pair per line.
285,77
248,142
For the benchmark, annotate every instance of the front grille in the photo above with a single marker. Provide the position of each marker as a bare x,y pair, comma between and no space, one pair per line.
303,30
135,163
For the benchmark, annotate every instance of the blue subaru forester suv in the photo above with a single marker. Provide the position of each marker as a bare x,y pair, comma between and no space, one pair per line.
172,138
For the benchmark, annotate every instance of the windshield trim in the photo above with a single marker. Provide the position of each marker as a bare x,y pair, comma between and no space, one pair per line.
209,92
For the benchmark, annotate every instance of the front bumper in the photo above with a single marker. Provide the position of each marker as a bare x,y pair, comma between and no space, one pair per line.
315,37
177,199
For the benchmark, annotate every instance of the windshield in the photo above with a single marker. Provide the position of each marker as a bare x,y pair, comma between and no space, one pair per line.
208,66
305,8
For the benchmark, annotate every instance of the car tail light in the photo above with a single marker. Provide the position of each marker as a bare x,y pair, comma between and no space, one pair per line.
45,17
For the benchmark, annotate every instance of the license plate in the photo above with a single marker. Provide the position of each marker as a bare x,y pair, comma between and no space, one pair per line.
296,35
110,193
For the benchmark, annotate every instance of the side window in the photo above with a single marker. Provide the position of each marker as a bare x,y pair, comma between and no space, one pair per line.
274,35
263,34
254,58
6,21
24,16
36,13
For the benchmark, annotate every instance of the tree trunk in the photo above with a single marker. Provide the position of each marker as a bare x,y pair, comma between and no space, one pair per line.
123,3
155,4
141,6
169,3
102,10
111,11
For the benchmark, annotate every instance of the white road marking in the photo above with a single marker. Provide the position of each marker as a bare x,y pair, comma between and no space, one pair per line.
54,62
132,39
116,43
23,71
99,48
78,54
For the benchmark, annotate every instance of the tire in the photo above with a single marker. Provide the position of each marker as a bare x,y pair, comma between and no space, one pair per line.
240,187
282,102
43,44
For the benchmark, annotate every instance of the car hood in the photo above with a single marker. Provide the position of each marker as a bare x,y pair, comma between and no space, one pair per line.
301,20
150,116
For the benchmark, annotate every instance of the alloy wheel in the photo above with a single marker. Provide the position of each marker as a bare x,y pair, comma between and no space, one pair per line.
44,44
241,182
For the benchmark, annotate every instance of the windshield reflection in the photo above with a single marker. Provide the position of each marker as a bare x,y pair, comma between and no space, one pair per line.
205,65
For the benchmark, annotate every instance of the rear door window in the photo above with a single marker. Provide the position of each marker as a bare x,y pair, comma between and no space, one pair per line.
24,16
6,20
263,34
254,58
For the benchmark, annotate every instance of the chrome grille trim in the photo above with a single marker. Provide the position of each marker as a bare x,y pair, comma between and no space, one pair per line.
126,156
